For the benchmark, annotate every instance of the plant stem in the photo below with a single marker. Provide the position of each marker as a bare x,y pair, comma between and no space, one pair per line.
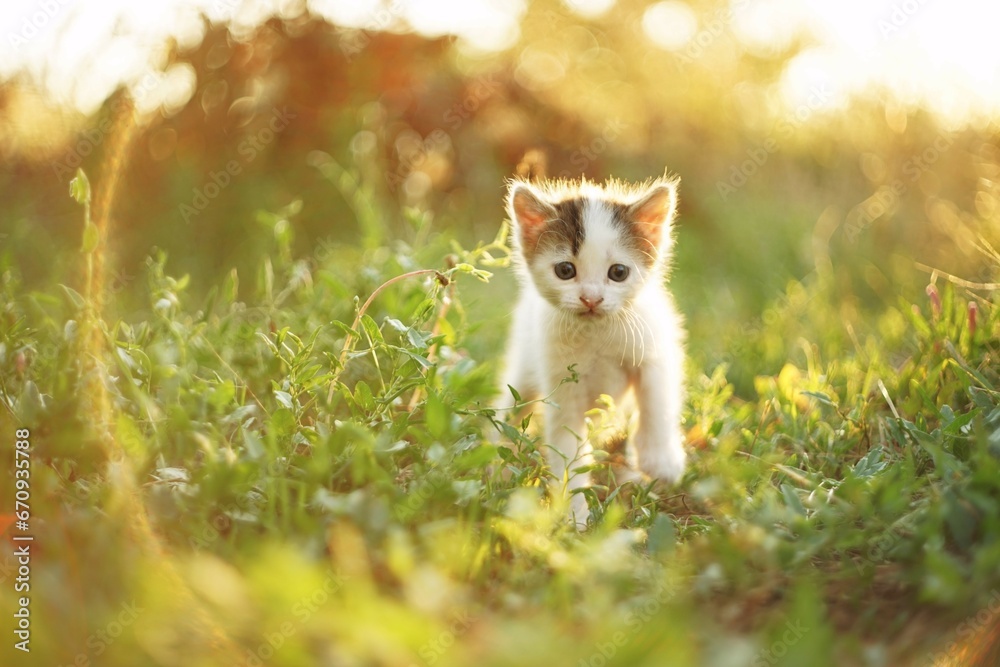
349,342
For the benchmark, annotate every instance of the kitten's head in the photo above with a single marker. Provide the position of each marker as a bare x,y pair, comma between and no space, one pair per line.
590,249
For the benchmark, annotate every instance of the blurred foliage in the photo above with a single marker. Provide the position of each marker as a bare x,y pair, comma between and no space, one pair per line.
281,478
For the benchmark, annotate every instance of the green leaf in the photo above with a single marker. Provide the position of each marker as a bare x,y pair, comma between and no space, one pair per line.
281,425
368,324
348,331
479,457
231,287
270,343
822,398
792,499
947,414
956,424
284,398
396,324
128,434
241,415
74,297
482,276
417,339
424,310
871,464
512,433
253,445
363,396
423,361
961,520
662,535
91,238
943,580
30,404
79,187
437,416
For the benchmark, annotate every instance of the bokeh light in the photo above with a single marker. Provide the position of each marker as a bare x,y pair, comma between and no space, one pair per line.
669,25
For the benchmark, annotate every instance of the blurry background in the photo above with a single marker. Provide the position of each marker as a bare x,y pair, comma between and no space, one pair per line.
822,147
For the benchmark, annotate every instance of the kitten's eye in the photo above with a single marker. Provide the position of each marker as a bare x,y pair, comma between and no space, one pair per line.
618,272
565,270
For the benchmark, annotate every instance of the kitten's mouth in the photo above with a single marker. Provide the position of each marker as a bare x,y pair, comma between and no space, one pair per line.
590,314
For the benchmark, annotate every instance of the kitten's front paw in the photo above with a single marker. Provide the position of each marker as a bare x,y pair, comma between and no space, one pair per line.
665,465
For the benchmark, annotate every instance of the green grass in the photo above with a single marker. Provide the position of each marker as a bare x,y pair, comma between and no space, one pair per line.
267,485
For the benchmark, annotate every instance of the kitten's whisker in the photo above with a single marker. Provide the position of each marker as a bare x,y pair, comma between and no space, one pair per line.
623,342
641,327
623,324
652,257
630,320
626,329
610,332
641,341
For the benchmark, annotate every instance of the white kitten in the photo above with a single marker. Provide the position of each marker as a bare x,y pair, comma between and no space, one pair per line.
592,262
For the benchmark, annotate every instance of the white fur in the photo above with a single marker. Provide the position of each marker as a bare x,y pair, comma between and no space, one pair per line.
634,344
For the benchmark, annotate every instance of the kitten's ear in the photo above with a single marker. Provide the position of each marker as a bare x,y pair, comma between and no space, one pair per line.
654,212
529,212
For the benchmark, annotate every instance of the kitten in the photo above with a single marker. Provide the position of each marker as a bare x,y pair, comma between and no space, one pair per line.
592,261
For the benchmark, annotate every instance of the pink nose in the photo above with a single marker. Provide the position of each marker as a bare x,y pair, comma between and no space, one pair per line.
592,303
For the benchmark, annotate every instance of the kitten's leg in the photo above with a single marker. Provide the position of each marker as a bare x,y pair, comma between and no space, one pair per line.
659,442
570,448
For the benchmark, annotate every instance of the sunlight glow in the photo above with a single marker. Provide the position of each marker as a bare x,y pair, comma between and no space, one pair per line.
78,52
364,14
670,25
767,26
489,25
934,55
589,8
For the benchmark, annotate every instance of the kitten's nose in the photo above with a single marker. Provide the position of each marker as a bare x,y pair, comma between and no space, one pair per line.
592,303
